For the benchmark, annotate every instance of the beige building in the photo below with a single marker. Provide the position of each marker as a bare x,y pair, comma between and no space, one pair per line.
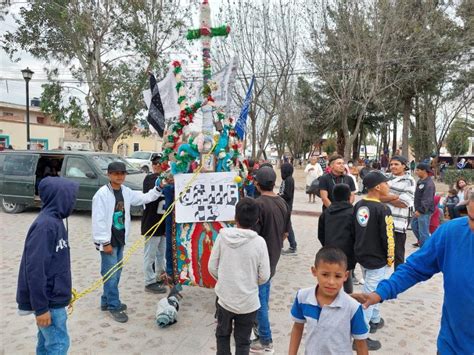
44,133
125,146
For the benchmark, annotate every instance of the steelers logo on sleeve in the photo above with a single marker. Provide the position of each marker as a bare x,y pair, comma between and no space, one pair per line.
363,215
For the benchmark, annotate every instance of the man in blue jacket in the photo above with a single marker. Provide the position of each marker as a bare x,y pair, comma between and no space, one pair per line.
450,250
44,281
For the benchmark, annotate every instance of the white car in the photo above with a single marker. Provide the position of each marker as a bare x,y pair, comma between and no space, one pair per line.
142,160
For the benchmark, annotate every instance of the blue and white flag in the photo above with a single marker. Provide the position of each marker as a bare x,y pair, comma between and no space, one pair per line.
241,123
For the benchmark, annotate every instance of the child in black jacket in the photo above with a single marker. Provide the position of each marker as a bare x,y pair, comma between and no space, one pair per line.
44,280
287,192
336,228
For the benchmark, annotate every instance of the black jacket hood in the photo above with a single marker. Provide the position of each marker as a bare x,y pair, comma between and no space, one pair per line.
286,170
338,206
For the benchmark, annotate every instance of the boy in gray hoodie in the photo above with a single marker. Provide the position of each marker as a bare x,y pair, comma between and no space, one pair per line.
240,263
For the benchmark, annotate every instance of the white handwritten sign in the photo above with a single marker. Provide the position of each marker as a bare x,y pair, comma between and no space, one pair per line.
211,197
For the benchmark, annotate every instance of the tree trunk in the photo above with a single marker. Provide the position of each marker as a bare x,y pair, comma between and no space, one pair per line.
340,142
253,121
406,125
394,143
355,146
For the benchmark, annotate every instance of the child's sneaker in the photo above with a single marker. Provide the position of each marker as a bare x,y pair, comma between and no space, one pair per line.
256,347
123,307
375,326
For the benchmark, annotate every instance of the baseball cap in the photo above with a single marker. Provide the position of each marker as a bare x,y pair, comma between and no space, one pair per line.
265,176
116,166
425,167
401,159
374,178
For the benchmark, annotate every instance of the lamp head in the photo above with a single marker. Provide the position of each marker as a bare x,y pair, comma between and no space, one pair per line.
27,74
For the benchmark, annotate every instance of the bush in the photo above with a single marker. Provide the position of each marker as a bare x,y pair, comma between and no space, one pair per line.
452,175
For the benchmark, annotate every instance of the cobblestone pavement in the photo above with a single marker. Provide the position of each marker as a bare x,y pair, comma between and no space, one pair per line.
411,322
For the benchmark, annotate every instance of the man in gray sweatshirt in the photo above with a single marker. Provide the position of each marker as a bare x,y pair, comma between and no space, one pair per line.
240,263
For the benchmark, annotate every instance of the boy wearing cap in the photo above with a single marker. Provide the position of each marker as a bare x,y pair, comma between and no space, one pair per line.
400,200
272,225
374,243
111,227
424,203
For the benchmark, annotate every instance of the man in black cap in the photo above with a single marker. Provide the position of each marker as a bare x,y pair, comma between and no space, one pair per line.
110,228
400,200
374,243
424,203
272,225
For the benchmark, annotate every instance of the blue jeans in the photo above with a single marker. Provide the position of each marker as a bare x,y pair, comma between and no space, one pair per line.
372,278
421,227
110,297
264,331
154,252
54,340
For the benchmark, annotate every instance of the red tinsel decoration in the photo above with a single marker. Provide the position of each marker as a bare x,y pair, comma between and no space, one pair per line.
210,98
205,31
176,64
235,146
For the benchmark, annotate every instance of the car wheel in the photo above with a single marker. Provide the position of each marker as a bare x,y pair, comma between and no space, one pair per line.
12,207
145,169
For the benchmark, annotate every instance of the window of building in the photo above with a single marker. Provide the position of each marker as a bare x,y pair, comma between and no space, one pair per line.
39,144
4,140
136,147
40,120
7,113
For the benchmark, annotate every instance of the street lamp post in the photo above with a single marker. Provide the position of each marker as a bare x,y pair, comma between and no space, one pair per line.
27,75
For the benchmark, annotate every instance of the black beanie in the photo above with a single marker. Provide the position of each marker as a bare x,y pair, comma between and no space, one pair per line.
341,192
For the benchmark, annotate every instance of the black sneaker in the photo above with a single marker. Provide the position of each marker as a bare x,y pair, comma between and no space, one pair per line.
123,307
155,288
119,315
289,251
372,345
375,326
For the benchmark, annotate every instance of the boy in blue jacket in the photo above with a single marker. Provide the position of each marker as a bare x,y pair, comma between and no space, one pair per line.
44,281
450,250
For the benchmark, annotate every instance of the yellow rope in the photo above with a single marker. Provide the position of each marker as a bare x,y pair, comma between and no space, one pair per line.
136,245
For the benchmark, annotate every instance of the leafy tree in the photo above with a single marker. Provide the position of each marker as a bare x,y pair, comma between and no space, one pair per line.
457,141
108,47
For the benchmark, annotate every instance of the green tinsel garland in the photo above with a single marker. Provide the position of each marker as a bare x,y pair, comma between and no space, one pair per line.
219,31
181,99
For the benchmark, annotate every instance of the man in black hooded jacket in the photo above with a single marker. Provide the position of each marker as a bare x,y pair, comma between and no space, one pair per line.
287,192
336,228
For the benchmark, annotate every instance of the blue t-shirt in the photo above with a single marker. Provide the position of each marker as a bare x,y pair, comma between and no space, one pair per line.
449,250
330,328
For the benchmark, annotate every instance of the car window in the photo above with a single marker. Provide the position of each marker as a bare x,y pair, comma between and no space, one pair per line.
103,162
2,159
77,167
141,155
19,165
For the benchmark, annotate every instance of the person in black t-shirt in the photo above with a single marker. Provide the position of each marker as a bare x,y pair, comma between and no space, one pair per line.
272,225
336,176
374,243
155,247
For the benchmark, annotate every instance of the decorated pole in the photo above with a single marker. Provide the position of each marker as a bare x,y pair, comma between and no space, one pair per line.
205,34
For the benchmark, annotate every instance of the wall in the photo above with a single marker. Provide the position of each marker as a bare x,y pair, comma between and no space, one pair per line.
125,146
16,131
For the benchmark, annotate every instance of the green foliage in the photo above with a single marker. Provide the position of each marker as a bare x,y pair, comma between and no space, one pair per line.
457,141
452,174
330,146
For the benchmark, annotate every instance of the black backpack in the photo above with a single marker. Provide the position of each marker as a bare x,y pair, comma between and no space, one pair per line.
314,187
